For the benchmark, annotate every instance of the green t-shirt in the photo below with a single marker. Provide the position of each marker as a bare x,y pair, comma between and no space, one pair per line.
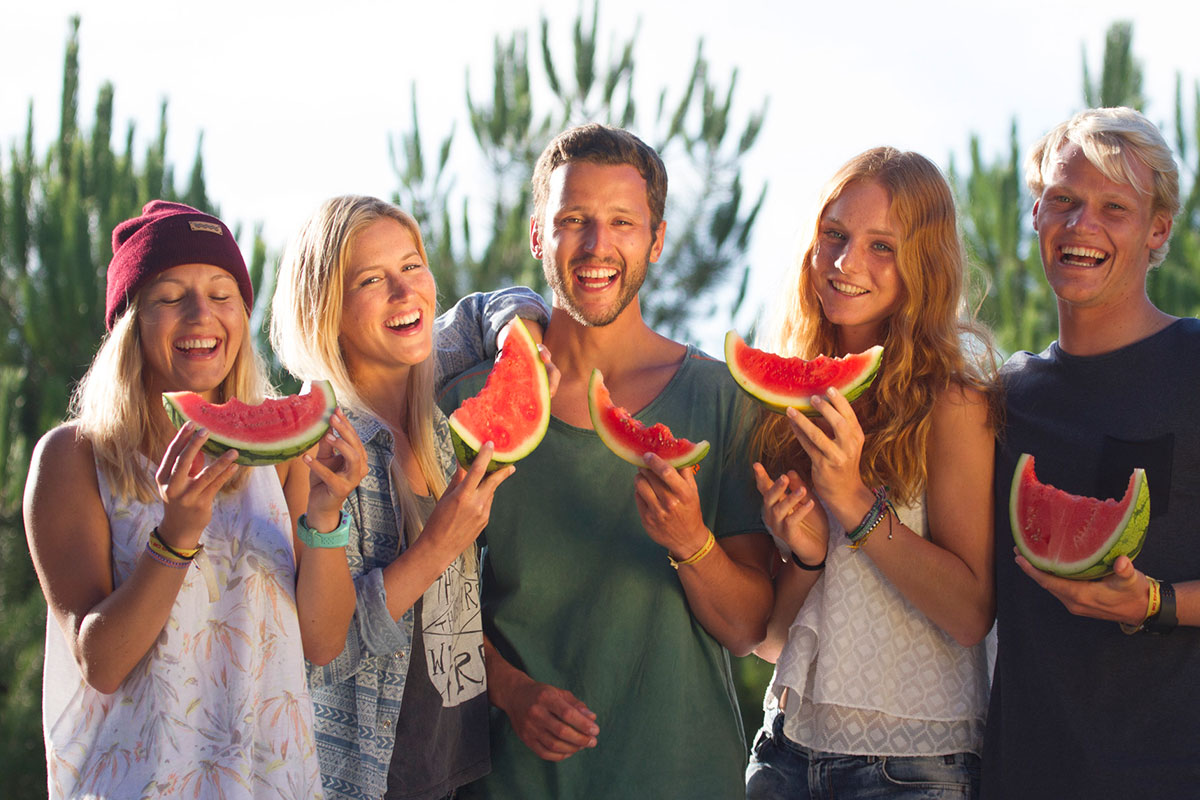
577,595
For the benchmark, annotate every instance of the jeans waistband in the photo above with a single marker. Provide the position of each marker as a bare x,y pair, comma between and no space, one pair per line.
782,739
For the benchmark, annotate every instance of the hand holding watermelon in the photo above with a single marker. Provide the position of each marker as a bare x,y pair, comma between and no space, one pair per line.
1121,596
793,515
835,449
336,467
463,510
188,497
668,502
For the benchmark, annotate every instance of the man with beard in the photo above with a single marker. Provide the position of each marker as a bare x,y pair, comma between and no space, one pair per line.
609,607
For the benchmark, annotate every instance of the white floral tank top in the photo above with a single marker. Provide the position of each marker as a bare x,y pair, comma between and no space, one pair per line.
219,706
869,674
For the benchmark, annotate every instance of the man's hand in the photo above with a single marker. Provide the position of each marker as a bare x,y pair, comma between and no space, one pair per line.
552,722
668,502
1122,596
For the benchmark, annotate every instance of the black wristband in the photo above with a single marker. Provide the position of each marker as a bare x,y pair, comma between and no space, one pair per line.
1165,619
808,567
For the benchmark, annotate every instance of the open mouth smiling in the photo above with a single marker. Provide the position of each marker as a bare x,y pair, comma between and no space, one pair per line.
404,321
1076,256
596,277
200,345
847,289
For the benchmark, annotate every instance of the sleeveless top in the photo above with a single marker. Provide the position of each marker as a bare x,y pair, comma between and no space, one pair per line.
868,673
218,707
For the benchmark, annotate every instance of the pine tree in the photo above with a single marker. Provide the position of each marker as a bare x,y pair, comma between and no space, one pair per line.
995,207
710,212
57,212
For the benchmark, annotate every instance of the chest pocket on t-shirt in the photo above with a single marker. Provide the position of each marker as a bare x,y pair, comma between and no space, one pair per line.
1118,459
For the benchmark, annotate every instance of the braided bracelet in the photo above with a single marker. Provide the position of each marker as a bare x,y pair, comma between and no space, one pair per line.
168,556
879,509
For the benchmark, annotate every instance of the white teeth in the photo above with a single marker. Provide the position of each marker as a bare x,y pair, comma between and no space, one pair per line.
1085,252
196,344
403,319
595,272
846,288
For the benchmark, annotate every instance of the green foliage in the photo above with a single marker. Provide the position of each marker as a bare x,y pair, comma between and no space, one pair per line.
57,212
696,130
1175,285
1017,303
710,212
995,208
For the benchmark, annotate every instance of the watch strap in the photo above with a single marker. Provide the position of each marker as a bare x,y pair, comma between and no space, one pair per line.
1166,618
338,537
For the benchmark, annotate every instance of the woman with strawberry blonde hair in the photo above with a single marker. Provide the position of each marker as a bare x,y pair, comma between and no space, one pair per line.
884,507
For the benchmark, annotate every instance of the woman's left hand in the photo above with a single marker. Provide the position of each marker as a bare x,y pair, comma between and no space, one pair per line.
335,468
835,450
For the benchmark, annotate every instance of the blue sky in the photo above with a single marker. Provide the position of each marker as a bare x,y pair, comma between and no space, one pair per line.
296,101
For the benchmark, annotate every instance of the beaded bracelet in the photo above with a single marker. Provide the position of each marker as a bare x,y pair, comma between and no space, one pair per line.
879,509
704,550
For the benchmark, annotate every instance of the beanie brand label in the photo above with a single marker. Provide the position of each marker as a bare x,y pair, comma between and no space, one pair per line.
207,227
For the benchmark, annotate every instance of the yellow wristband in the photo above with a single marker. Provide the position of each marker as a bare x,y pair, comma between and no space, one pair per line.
704,550
1155,598
157,551
160,544
1153,606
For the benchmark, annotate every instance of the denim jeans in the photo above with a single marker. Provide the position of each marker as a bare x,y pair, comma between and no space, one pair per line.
780,769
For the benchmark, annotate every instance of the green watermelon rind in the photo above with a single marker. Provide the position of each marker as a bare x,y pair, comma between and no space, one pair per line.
467,444
636,457
254,454
1127,537
778,402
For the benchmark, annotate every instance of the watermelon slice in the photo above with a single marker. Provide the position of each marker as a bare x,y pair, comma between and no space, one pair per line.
268,433
512,410
1071,536
630,439
780,383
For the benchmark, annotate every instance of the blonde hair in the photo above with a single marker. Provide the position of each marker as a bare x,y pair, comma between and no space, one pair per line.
923,341
1114,141
112,411
306,319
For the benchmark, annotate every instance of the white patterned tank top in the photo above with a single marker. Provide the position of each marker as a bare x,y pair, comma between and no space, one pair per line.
219,706
869,674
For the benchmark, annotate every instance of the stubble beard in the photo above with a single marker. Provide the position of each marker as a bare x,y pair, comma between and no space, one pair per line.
630,284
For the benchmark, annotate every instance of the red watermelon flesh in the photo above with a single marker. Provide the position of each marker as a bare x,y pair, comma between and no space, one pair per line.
779,382
512,410
272,431
630,439
1074,536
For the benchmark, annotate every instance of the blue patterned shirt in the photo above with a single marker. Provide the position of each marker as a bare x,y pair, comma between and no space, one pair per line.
357,696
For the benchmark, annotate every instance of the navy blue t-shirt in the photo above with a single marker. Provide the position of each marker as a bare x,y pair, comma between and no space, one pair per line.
1078,708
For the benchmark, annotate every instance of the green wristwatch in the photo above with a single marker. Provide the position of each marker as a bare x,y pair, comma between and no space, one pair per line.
338,537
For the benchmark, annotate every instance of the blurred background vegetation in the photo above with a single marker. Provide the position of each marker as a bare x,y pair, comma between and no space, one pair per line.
58,208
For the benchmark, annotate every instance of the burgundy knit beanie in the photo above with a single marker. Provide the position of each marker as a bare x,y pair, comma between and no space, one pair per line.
167,235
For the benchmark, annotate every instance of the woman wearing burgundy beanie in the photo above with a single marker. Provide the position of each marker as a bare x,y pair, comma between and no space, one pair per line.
176,665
